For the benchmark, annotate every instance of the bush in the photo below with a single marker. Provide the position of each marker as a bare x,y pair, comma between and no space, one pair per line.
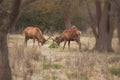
47,21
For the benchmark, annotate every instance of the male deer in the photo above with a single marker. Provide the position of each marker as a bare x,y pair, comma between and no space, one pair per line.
72,34
34,33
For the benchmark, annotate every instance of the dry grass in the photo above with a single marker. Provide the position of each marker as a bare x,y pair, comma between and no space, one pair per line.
56,64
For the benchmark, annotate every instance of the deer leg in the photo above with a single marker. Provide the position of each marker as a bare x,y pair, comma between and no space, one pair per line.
69,45
64,45
38,43
33,42
78,41
25,42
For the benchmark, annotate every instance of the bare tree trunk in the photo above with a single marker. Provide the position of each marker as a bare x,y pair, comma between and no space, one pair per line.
98,14
67,14
118,29
5,71
92,20
105,30
98,11
27,2
117,6
12,16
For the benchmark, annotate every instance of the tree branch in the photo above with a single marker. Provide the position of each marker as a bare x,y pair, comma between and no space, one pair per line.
27,2
92,21
1,1
116,2
98,11
111,21
12,16
3,10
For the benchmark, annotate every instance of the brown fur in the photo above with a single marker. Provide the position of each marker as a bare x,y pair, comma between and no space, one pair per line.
73,27
69,35
33,33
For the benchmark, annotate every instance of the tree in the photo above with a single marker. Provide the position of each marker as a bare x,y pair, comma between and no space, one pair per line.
9,22
102,27
68,11
67,14
117,10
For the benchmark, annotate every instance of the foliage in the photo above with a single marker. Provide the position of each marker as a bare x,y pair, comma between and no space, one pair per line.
49,15
46,21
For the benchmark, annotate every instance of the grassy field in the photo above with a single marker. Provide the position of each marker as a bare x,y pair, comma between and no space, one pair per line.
56,64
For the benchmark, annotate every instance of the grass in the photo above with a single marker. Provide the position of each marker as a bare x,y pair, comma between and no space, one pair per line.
53,66
54,78
53,45
114,59
58,64
77,75
115,70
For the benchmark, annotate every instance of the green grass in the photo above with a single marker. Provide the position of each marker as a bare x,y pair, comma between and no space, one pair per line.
57,66
115,70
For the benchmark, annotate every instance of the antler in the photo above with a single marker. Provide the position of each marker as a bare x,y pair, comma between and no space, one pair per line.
53,39
50,35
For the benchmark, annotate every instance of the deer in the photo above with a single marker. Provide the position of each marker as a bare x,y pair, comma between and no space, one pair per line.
31,32
72,34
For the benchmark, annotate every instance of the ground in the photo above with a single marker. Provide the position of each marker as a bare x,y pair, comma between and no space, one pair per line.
46,63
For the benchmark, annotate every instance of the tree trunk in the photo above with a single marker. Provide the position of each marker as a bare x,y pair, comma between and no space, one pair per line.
5,72
98,12
118,29
117,7
67,20
105,30
92,20
12,17
67,14
9,22
103,43
104,21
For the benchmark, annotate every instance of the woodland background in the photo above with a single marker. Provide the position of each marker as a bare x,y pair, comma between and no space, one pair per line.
98,21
